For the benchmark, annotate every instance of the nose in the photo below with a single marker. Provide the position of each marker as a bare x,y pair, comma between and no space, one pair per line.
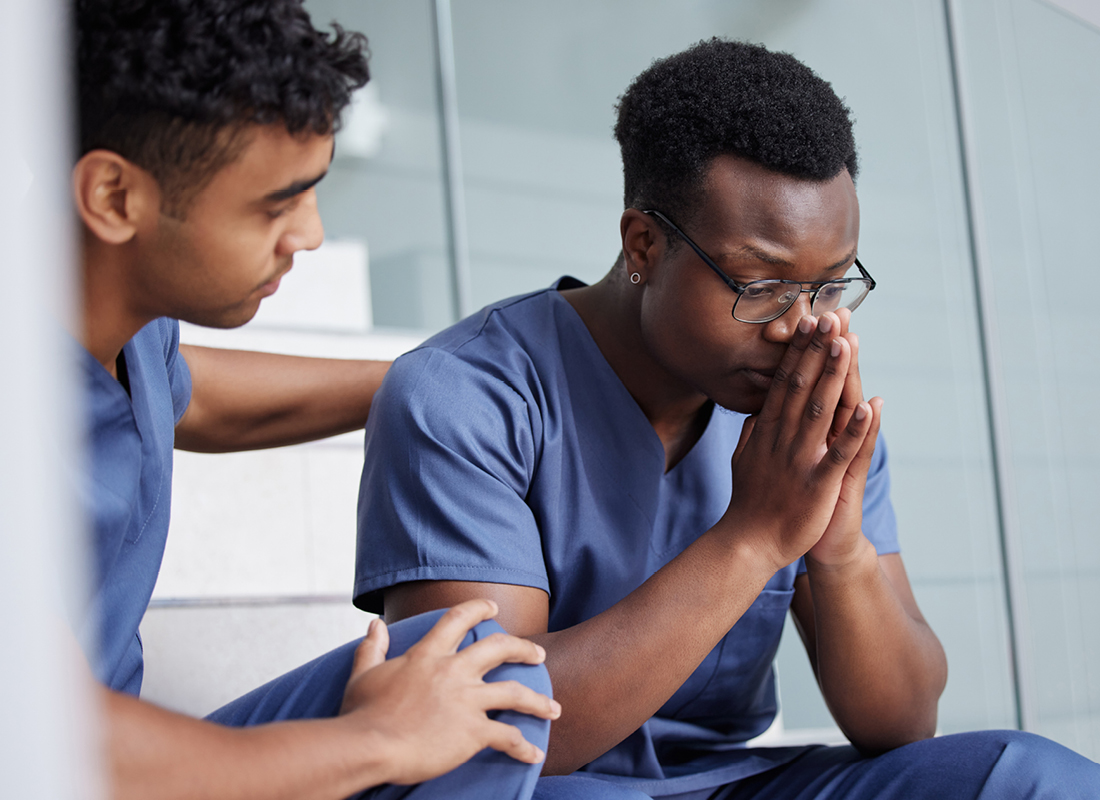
782,328
306,232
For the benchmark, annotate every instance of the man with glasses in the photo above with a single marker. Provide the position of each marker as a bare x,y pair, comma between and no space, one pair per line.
568,453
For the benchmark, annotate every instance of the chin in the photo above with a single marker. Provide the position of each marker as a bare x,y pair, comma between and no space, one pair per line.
742,403
225,318
748,409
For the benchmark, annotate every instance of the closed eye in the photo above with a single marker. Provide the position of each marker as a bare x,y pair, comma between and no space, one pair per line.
274,212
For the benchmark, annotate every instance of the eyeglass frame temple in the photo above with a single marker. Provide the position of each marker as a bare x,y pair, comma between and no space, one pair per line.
730,282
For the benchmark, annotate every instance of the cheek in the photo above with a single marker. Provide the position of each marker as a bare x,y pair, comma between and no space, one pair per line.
242,259
688,328
693,336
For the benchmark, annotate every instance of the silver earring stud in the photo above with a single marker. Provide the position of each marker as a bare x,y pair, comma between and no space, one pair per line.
635,278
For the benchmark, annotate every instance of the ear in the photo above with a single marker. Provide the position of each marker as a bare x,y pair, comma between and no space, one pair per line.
114,197
643,242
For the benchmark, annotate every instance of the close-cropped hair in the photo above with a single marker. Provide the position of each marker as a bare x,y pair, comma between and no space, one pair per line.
722,97
174,85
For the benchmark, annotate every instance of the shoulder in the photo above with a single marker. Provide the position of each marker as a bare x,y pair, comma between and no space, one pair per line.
502,351
156,342
482,389
162,368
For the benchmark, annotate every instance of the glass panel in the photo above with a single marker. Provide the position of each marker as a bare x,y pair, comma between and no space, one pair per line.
385,187
537,85
1031,73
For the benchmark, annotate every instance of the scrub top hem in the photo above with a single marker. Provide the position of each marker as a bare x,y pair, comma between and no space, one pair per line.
368,592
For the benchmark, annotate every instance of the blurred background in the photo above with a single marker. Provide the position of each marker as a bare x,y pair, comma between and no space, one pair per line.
479,163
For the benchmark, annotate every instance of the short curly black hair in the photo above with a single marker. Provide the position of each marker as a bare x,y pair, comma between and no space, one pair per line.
172,84
723,97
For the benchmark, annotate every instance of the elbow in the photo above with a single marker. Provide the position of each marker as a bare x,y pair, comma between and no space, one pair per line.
885,735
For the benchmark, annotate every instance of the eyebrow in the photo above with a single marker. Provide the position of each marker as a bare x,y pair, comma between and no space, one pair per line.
293,190
769,258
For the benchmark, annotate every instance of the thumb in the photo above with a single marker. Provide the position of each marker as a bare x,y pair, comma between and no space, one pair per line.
746,432
372,650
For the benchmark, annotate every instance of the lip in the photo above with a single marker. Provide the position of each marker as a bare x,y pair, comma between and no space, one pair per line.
761,378
272,286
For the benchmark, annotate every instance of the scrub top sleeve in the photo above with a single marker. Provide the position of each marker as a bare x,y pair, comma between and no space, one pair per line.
449,459
179,375
879,523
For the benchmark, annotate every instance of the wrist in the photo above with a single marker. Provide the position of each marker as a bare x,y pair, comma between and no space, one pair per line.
750,549
364,751
860,558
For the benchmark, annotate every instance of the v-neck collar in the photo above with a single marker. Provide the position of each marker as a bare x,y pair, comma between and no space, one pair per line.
612,388
135,402
618,436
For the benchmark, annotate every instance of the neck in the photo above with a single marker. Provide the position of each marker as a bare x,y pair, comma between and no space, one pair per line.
110,315
611,310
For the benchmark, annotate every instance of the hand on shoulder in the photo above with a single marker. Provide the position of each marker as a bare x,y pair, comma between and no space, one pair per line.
430,705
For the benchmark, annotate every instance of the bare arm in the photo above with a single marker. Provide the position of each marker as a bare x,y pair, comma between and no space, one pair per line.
880,666
158,754
405,720
246,401
614,671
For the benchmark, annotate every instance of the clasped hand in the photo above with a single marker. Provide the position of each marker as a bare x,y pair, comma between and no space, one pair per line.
800,468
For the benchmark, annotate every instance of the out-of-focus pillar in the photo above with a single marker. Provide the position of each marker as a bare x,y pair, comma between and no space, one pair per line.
45,728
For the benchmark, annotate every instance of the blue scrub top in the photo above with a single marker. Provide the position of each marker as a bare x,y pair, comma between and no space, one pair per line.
127,491
506,449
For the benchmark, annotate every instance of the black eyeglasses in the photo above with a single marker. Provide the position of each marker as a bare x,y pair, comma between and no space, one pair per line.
763,301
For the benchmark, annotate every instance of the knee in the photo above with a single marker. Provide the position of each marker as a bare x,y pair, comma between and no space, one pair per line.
578,787
534,676
1035,766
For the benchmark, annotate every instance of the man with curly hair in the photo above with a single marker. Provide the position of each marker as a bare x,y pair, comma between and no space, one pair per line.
204,127
568,454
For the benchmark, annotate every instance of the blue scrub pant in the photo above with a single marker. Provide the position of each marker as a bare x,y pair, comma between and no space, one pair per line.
316,690
985,765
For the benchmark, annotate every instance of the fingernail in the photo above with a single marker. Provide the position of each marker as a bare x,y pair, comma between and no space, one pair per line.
824,324
861,412
555,708
835,349
539,755
372,626
541,651
806,324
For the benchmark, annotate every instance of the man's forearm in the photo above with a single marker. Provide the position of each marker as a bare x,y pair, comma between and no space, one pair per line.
155,754
880,666
614,671
248,401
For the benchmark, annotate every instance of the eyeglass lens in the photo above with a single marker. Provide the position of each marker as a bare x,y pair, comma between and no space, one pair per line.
766,300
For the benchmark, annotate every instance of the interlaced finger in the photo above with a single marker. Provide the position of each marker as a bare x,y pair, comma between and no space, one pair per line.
849,444
820,407
853,386
773,403
862,462
819,358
